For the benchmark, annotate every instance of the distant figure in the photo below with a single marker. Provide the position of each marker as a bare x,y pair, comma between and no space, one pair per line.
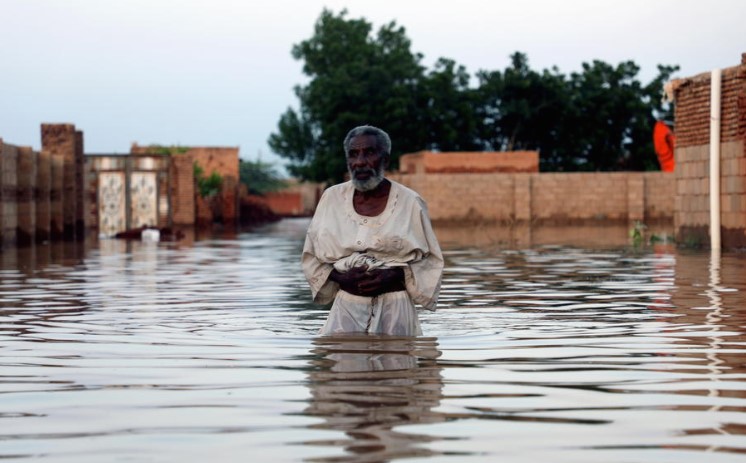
370,246
664,141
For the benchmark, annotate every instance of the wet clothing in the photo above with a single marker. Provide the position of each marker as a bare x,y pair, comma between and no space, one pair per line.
400,236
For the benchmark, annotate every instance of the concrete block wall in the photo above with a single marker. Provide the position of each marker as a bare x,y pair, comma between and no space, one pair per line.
692,154
546,198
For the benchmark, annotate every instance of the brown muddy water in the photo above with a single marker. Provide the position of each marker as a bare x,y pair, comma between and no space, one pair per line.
207,351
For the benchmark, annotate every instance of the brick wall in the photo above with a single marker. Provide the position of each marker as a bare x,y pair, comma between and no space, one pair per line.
181,175
692,154
56,192
61,140
26,177
79,162
550,198
222,160
483,162
692,111
285,203
41,196
8,194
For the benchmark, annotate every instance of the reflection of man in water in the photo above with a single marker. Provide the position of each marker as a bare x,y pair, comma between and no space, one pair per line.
370,247
366,386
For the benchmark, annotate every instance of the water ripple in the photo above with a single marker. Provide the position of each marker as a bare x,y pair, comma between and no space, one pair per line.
144,352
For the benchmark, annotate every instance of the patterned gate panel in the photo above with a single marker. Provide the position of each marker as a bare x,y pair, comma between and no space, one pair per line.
143,194
111,205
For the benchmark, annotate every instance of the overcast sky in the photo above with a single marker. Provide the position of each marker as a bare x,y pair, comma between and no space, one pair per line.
219,72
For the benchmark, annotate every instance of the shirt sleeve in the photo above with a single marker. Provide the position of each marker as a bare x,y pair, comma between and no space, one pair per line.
422,278
316,272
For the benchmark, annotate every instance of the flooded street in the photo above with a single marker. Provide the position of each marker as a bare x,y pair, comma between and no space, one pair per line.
207,351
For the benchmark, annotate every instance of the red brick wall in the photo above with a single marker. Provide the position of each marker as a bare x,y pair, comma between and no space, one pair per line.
692,111
8,193
692,154
222,160
41,195
285,203
61,140
182,189
26,176
453,162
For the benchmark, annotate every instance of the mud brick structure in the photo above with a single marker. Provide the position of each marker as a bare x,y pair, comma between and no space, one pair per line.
181,173
64,142
26,209
42,191
8,194
223,161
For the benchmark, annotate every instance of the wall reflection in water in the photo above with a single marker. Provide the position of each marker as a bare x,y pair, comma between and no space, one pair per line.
521,236
368,388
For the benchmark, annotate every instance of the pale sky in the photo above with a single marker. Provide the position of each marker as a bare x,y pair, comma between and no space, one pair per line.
219,72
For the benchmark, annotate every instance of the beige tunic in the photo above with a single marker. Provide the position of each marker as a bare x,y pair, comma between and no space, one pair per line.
400,235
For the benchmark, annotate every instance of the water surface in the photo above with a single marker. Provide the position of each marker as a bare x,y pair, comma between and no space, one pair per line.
207,351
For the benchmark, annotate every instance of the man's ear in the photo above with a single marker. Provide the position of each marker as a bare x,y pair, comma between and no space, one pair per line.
386,161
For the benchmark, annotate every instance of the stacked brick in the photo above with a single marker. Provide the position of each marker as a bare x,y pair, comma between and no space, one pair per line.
692,117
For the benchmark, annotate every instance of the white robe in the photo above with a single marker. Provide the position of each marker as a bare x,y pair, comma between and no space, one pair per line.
400,236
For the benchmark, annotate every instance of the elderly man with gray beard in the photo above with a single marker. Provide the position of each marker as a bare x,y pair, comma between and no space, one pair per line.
370,248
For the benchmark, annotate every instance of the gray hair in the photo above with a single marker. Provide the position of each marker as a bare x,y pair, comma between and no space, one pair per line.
382,138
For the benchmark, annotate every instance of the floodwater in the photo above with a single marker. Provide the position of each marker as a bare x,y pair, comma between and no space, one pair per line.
206,351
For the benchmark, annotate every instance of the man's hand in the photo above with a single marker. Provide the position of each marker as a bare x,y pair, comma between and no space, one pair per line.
370,283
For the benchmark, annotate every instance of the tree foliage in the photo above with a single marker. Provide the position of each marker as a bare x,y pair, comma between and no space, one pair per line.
207,185
600,118
259,177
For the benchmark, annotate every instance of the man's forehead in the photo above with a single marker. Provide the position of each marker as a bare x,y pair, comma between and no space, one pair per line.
363,141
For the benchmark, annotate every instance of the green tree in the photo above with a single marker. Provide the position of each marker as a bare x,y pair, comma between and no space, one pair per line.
260,177
521,109
597,119
448,114
355,78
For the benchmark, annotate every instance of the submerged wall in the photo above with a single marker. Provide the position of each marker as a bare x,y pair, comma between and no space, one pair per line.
34,187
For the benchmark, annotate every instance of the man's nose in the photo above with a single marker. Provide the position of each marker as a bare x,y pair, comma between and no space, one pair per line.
357,161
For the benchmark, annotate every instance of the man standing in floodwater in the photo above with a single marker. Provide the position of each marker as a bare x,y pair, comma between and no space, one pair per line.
370,246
